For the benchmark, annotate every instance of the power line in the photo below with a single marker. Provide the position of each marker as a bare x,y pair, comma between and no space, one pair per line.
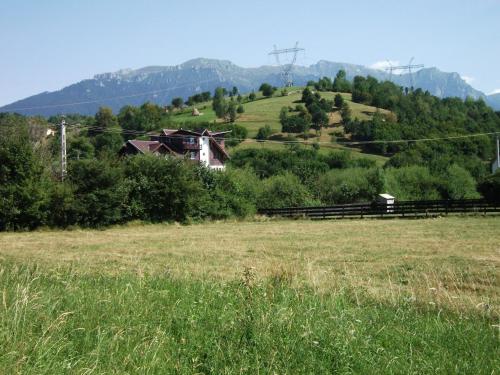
351,143
112,98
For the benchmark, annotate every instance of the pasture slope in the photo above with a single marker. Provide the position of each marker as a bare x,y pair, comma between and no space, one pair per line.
264,296
265,111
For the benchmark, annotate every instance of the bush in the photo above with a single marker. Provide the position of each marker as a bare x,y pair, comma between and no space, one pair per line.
350,185
264,133
99,193
162,189
267,90
23,183
459,184
62,208
412,183
490,188
231,194
284,191
338,101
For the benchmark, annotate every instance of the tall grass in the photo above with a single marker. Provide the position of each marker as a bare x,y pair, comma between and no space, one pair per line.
57,321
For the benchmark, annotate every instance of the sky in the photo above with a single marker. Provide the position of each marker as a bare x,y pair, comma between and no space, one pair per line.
49,44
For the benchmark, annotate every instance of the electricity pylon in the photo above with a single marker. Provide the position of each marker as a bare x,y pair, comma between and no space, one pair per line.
286,69
408,68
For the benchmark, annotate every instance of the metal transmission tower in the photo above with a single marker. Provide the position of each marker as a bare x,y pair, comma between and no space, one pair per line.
286,69
408,68
63,150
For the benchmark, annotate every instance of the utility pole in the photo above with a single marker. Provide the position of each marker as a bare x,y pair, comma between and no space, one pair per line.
498,152
63,150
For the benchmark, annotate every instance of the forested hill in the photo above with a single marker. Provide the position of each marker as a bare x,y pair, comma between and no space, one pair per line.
159,84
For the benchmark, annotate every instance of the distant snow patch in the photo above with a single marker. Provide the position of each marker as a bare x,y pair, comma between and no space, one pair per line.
496,91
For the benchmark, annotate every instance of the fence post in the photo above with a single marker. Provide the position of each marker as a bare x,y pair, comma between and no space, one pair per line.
361,212
324,212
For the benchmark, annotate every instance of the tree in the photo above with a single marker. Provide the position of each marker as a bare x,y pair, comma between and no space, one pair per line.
128,118
350,185
80,148
234,91
412,183
177,102
338,101
240,109
231,111
206,96
319,119
106,134
267,90
282,191
252,96
459,184
490,187
324,84
99,192
219,104
283,115
307,96
340,83
104,120
346,113
264,133
174,192
23,183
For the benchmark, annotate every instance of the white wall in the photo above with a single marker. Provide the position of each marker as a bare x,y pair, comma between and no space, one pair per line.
205,151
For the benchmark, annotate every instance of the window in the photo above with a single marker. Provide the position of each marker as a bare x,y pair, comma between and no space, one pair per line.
192,155
191,140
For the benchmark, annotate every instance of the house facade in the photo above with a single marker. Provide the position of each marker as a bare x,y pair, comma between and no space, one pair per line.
202,146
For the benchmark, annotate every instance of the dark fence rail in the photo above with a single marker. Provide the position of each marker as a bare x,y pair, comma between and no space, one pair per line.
397,209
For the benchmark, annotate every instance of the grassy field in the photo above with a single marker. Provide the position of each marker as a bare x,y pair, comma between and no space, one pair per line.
266,111
360,296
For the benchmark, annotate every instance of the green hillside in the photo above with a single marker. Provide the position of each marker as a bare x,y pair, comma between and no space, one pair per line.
265,111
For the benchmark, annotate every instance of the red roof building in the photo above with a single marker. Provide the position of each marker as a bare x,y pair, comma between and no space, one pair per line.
202,146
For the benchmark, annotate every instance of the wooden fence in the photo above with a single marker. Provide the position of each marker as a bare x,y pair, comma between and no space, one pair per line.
398,209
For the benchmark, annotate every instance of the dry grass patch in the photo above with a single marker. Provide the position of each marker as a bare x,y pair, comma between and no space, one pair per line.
450,261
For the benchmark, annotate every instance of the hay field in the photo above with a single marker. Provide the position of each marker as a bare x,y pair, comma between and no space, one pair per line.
451,261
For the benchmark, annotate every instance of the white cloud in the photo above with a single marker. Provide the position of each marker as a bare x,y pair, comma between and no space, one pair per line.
496,91
468,79
381,65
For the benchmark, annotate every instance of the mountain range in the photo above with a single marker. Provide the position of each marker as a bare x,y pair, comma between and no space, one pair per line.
160,84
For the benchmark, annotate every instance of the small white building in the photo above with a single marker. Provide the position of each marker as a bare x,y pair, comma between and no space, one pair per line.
387,200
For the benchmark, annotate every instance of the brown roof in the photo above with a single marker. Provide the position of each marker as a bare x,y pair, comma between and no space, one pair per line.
219,147
197,132
149,146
